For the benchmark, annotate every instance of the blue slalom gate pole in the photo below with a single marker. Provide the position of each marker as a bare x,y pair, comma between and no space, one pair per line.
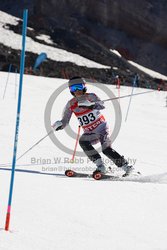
15,83
24,30
9,70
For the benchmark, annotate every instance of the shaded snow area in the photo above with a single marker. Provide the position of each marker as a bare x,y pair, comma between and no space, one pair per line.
51,211
149,71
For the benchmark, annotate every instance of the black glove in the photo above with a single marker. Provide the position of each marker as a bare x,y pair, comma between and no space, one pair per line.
88,107
59,128
57,125
86,104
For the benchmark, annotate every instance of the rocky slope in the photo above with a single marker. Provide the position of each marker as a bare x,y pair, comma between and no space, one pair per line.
90,28
137,29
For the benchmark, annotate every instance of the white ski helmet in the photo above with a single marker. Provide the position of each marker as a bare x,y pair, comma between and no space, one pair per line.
77,80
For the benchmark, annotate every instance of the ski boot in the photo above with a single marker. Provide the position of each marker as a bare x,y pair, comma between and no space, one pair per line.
129,170
100,170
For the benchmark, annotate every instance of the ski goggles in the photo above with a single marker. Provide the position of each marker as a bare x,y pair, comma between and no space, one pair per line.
75,87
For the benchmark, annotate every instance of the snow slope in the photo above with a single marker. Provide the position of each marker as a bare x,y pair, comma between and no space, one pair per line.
51,211
13,40
144,69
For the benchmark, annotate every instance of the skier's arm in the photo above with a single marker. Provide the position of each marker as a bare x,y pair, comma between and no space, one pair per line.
94,102
98,103
65,118
66,115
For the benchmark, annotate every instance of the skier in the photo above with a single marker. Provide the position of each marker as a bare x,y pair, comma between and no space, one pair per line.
86,107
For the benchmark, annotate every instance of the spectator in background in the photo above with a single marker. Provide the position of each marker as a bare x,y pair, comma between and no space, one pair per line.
117,81
136,80
161,84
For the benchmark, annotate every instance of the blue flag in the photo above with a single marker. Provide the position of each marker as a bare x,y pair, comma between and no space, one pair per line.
39,60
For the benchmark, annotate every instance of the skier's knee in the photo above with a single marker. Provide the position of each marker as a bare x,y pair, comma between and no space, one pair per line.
107,151
83,143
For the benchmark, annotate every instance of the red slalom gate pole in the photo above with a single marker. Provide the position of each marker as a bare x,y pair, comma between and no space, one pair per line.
76,143
119,88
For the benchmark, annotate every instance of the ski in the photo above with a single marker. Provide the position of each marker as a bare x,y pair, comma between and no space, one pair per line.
72,173
97,175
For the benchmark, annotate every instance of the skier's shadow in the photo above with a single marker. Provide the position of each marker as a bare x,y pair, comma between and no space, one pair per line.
156,178
33,172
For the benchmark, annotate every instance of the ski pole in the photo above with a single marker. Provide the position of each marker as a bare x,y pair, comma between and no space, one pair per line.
9,163
124,96
76,143
34,145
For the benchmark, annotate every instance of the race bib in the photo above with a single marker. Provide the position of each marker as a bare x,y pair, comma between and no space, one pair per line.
89,118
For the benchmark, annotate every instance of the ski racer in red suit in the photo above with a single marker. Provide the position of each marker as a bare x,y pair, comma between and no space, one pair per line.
86,107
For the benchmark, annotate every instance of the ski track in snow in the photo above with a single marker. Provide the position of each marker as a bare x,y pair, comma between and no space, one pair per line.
157,178
51,211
